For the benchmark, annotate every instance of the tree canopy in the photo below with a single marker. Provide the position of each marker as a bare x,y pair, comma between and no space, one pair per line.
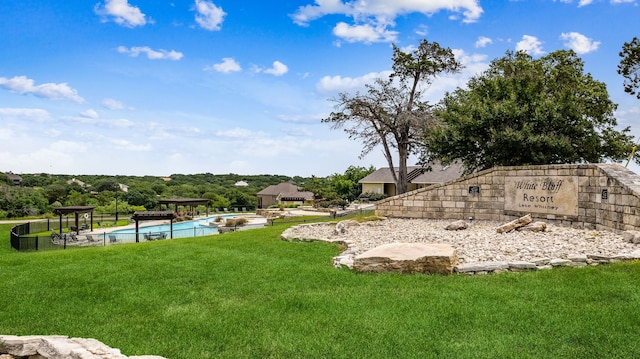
523,111
629,66
391,113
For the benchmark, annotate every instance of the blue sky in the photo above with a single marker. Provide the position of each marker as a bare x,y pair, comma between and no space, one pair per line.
153,87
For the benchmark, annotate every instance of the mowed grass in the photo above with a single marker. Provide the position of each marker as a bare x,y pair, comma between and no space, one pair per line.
251,295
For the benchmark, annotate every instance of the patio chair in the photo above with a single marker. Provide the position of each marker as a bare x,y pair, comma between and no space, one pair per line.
112,238
90,238
55,236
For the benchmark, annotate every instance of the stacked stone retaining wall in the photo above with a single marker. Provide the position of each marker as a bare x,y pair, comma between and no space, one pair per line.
599,196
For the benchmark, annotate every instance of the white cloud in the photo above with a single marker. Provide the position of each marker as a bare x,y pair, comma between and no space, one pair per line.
364,33
530,44
340,84
580,2
130,146
236,133
112,104
385,9
24,85
422,30
579,43
372,18
227,65
209,16
90,113
297,132
301,118
122,13
473,64
483,41
34,114
151,54
278,69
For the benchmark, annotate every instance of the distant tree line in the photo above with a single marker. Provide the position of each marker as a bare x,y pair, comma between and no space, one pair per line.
39,194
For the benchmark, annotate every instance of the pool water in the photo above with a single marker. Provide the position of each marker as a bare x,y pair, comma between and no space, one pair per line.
195,228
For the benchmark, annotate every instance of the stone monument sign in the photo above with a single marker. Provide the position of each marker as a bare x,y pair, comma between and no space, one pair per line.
557,195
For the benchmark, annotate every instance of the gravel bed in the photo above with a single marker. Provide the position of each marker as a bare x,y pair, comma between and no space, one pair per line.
478,243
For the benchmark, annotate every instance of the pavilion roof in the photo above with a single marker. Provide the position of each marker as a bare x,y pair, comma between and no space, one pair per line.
73,209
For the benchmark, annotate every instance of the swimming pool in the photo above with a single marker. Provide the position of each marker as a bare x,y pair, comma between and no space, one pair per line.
195,228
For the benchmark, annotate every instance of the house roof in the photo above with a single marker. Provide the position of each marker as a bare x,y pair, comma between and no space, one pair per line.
418,175
285,190
12,176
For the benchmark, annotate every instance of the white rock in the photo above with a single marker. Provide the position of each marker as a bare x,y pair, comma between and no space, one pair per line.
557,262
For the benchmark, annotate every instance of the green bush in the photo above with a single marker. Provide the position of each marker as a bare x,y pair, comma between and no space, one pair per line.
332,203
370,196
237,221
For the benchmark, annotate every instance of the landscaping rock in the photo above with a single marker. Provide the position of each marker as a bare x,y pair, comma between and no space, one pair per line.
482,267
631,236
457,226
577,258
59,347
408,258
557,262
541,261
342,227
521,265
520,222
533,227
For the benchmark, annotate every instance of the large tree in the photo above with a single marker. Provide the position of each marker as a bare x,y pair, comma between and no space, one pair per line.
629,66
525,111
392,113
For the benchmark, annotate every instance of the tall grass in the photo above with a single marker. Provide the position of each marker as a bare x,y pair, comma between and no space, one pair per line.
250,295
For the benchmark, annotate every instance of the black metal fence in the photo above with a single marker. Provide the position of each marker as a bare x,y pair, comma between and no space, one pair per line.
23,240
39,235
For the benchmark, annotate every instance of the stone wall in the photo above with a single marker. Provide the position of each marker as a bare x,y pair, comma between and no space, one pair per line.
599,196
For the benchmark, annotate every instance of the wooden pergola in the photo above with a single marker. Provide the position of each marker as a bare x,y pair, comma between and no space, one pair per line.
139,216
77,210
191,202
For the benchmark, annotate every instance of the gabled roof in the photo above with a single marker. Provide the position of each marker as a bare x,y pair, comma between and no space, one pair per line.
276,189
13,177
286,190
418,174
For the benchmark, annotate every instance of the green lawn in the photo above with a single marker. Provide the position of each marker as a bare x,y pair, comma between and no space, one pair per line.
249,294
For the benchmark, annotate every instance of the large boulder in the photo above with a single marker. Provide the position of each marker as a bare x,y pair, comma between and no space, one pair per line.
408,258
60,347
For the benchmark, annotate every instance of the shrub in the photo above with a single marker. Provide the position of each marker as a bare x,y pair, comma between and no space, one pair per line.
372,196
332,203
237,221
